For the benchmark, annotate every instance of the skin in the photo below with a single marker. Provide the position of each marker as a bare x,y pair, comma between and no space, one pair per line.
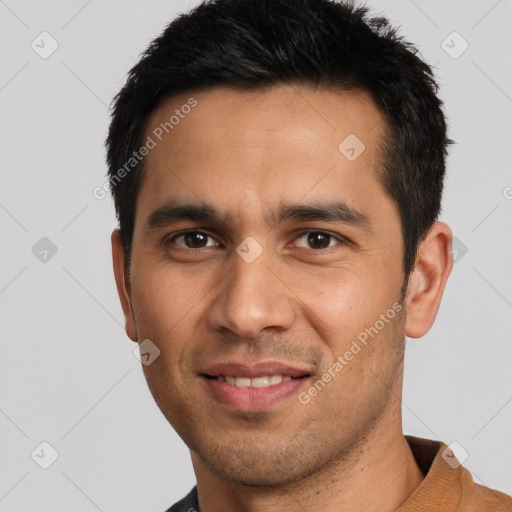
244,153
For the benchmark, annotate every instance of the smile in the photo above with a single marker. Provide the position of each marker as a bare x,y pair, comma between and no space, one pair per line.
255,382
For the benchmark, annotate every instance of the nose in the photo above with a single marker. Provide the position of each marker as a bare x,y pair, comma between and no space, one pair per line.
251,297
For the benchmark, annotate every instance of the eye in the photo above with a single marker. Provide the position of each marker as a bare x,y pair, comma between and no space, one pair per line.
192,240
317,240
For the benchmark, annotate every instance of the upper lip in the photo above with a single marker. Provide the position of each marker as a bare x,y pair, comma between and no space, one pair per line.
256,369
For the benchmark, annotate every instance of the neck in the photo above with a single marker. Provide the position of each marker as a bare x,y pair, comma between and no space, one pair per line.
377,475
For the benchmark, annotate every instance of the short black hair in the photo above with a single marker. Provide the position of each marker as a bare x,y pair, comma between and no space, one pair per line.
254,44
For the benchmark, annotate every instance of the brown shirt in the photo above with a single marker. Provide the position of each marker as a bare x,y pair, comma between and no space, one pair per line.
447,486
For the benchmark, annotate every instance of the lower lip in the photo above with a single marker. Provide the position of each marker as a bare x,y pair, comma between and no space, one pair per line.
253,399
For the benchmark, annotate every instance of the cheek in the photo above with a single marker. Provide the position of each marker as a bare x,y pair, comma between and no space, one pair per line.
165,312
164,306
344,308
340,302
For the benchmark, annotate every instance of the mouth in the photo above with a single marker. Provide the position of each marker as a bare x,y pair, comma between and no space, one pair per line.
264,381
253,387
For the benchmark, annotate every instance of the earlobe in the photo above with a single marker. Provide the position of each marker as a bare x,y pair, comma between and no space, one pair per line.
434,263
123,284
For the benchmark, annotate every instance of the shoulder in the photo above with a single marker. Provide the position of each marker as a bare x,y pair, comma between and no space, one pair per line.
447,485
479,498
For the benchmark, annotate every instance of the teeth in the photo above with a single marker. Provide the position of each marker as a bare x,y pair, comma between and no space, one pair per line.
256,382
260,382
242,382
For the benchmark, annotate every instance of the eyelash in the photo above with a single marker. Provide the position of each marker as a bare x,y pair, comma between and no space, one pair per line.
337,237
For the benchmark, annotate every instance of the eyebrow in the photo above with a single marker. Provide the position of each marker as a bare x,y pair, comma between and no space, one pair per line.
201,212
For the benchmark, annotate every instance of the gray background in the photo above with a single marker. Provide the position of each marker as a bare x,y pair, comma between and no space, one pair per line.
68,373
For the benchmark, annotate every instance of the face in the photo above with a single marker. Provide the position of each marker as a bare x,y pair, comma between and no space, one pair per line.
263,254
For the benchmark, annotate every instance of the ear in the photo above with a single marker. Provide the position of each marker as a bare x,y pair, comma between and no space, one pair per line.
123,284
433,265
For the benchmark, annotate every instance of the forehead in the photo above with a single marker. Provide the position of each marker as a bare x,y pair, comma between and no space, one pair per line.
248,148
281,114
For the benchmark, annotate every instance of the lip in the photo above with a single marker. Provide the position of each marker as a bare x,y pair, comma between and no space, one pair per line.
253,399
256,369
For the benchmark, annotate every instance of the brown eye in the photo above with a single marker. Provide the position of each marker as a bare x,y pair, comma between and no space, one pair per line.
316,240
193,240
319,240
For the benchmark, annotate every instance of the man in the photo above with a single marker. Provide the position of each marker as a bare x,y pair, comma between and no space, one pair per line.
277,169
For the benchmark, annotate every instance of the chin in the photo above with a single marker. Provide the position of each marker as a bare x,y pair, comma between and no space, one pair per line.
257,478
263,467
